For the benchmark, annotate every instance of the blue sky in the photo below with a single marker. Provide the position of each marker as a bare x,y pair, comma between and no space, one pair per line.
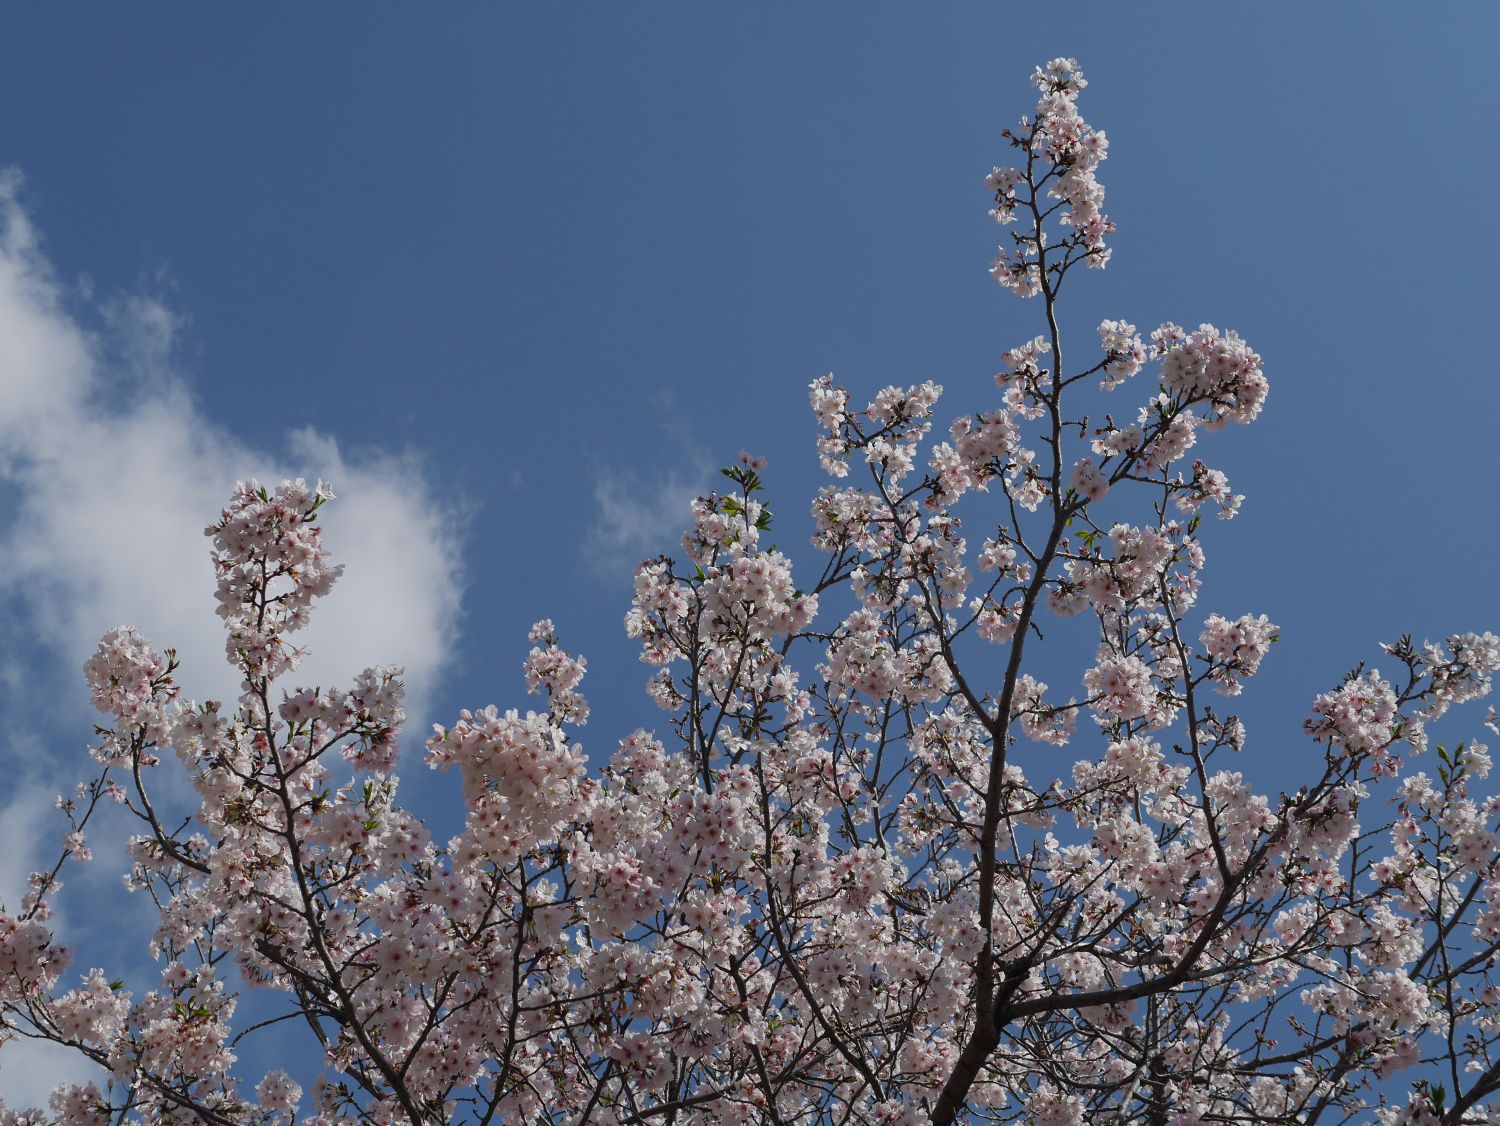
518,278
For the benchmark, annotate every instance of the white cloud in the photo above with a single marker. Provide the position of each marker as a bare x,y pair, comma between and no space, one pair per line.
28,817
116,471
34,1069
109,472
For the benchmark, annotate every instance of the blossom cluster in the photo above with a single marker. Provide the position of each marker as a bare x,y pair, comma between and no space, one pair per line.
1071,151
270,563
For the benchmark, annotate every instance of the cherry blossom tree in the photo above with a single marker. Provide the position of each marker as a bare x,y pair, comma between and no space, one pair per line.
856,875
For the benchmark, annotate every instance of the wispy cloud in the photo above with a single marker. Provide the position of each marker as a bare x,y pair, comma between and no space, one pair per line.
641,513
640,516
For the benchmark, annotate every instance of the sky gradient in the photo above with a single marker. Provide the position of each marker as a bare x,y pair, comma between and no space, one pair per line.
519,278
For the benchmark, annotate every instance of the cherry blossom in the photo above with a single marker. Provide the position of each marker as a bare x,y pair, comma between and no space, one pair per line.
889,855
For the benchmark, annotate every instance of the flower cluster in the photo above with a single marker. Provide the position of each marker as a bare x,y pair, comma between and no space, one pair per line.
1218,370
553,670
1236,649
123,675
1357,718
269,558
